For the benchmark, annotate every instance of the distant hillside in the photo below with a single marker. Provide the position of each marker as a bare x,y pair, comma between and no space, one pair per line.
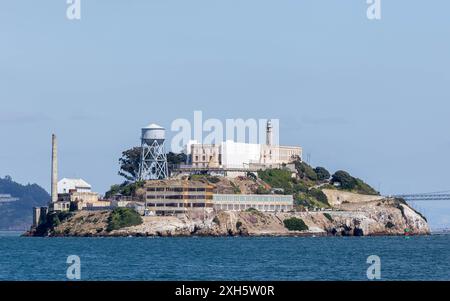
17,215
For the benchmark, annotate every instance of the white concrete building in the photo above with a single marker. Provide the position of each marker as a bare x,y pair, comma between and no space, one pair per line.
75,185
230,154
242,202
239,155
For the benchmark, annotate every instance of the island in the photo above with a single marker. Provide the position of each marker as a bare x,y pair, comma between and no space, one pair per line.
226,189
321,207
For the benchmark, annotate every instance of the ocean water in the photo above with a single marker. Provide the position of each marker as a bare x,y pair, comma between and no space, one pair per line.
227,258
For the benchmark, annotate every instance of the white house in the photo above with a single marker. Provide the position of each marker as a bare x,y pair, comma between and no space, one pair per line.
79,185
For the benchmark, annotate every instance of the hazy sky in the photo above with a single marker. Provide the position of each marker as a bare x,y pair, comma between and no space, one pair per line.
371,97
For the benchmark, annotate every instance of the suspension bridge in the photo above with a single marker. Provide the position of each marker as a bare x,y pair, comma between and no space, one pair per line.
418,200
431,196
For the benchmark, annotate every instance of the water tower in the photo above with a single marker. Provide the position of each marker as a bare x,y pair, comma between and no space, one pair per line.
153,164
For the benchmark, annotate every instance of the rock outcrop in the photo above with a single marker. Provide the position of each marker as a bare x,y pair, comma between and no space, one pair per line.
377,217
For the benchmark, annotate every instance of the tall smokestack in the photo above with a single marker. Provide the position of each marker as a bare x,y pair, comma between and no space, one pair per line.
269,133
54,169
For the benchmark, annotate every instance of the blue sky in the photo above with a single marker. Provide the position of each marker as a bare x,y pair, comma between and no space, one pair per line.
370,97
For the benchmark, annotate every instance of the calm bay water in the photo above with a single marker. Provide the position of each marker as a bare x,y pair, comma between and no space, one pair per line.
240,258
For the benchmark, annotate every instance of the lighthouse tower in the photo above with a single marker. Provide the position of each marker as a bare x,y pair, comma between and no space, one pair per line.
269,133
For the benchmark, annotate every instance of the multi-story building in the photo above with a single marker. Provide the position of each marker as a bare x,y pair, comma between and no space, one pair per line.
78,194
237,155
205,155
84,200
177,196
166,197
230,154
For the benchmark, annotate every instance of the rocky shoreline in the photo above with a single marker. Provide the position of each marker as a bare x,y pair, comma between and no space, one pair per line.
372,218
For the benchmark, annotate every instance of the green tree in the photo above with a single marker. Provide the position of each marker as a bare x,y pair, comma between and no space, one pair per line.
115,189
125,189
129,163
351,183
176,159
322,173
131,159
305,171
344,179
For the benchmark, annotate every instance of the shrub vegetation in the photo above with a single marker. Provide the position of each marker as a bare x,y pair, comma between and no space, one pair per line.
278,178
328,216
123,217
318,195
236,189
208,178
52,220
295,224
304,194
262,190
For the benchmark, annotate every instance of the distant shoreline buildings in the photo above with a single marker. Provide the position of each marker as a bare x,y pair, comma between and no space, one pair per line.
7,198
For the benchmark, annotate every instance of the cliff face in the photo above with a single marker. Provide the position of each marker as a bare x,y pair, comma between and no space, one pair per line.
378,217
376,214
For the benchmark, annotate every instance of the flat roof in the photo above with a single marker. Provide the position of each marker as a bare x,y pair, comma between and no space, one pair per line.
177,183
